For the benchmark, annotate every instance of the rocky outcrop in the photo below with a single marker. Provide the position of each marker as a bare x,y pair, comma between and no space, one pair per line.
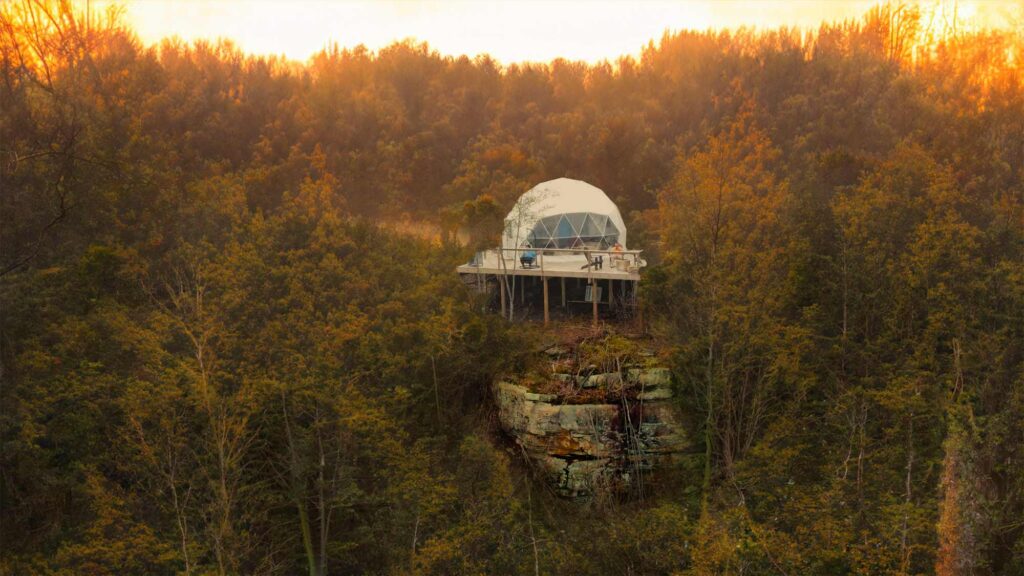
622,426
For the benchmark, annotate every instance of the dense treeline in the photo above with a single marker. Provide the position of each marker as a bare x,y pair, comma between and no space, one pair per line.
215,359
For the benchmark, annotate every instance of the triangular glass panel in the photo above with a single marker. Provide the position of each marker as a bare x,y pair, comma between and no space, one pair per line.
611,229
539,232
577,221
549,224
590,228
564,229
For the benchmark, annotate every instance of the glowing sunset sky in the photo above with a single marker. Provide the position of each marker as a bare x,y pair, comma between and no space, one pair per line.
510,31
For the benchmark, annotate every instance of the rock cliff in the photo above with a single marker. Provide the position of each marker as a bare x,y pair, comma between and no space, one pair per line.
589,429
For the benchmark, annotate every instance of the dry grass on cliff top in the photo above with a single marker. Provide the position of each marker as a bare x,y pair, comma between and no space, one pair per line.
568,352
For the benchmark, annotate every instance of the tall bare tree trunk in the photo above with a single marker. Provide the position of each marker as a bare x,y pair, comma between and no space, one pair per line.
908,498
296,489
324,507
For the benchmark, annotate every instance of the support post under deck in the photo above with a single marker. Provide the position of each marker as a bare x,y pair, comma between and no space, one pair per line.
546,317
501,285
639,307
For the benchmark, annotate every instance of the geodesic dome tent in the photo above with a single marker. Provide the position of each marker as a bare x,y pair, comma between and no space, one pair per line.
564,213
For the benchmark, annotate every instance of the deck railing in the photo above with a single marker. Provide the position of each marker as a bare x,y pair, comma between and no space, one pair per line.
628,261
624,260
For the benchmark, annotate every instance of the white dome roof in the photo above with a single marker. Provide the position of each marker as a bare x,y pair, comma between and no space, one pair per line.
558,197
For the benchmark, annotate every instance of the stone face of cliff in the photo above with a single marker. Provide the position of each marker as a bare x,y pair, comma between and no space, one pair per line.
595,432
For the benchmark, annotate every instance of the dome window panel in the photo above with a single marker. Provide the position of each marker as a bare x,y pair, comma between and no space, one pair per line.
564,229
611,229
590,228
548,225
577,220
540,234
575,230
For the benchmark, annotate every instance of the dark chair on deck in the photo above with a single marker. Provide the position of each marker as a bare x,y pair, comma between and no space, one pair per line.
528,259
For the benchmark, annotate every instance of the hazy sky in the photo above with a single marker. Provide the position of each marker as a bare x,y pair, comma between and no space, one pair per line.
509,31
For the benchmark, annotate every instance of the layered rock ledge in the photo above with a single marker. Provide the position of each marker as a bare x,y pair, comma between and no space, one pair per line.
593,432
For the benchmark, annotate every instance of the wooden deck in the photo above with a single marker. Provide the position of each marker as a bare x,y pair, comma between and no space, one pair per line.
624,265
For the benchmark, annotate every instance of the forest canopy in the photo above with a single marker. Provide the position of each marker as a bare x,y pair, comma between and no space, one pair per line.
232,340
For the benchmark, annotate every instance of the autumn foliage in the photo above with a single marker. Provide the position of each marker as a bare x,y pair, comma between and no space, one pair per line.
221,352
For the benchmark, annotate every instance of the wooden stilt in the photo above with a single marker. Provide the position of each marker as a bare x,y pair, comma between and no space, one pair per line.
546,317
501,285
563,292
639,307
594,298
611,292
522,290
